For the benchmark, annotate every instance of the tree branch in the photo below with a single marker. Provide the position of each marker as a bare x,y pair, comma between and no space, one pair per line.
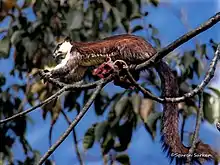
55,82
57,94
196,133
163,52
199,88
74,138
34,107
74,123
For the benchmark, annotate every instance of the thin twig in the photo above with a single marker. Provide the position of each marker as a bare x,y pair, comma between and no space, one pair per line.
74,138
34,107
142,89
196,133
186,37
53,81
50,138
57,94
73,124
199,88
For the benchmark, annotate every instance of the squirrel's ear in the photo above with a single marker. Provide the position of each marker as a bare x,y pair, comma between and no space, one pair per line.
68,39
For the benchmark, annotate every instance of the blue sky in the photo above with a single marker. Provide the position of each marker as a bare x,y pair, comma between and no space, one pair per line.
142,150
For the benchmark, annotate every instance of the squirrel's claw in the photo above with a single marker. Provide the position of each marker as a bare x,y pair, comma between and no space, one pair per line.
44,74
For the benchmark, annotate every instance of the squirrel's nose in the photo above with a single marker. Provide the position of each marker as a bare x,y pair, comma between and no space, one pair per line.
58,55
55,54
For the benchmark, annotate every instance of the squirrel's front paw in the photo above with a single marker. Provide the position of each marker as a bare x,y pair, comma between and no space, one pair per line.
46,71
45,74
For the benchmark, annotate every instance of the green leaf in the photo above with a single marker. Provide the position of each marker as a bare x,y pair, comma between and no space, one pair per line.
191,71
157,42
4,46
136,16
154,2
27,3
146,13
198,67
136,102
126,24
89,138
38,5
185,87
121,105
201,50
124,133
74,19
216,91
35,27
107,144
70,101
188,58
17,37
154,30
214,44
137,28
191,135
86,96
151,123
106,5
25,145
100,130
211,107
55,111
123,159
2,79
88,18
117,16
20,126
146,108
100,102
49,162
30,46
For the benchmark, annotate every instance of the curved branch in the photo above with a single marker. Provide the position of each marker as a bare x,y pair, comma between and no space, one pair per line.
73,124
34,107
74,138
57,94
163,52
199,88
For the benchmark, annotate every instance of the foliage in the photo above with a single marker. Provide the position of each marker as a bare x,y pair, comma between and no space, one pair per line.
28,41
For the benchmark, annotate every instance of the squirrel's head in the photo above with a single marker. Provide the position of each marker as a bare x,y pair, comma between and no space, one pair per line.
62,50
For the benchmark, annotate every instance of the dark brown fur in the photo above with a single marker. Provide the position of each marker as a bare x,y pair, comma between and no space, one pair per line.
126,47
171,140
134,50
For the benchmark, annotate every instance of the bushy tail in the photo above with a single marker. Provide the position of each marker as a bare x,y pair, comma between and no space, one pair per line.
170,135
